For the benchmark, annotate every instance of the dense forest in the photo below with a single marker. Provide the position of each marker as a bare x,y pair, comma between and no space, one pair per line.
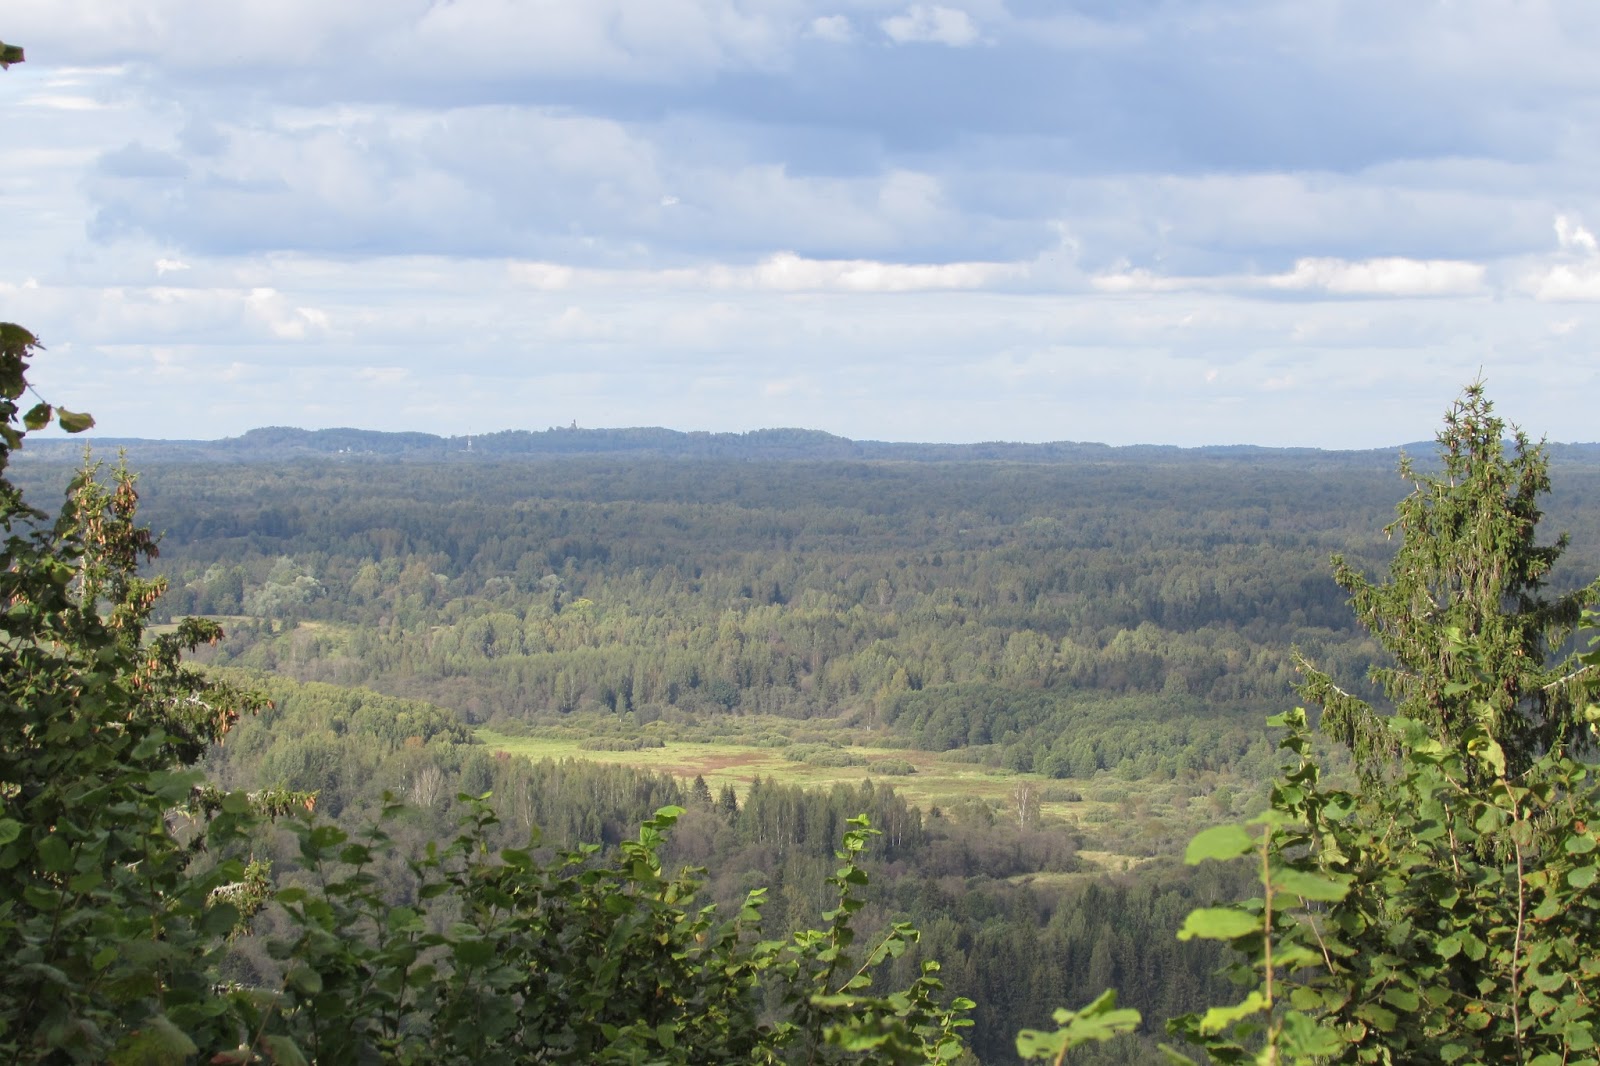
1066,618
911,596
1120,624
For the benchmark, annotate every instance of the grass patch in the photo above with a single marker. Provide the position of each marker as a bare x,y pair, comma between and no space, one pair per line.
935,783
1125,822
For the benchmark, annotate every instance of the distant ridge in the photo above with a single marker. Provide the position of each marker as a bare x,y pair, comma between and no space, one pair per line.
353,445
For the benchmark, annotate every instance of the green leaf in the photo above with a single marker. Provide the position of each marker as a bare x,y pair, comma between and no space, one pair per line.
304,979
73,421
9,830
1303,1038
1217,1019
284,1052
1219,842
1324,888
1381,1018
1100,1020
55,854
38,417
1401,999
1218,923
155,1043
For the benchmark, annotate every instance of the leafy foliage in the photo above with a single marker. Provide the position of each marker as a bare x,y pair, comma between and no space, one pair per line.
107,922
583,959
1468,575
1431,920
1098,1022
1442,910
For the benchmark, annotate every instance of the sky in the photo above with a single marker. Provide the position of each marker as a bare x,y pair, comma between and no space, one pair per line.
1130,221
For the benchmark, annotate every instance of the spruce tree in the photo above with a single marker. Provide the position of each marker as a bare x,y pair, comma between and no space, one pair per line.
1463,613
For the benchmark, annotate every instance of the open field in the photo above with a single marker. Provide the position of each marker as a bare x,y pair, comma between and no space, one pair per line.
1122,822
936,782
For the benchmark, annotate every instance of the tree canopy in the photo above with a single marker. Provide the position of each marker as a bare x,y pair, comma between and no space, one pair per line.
1463,611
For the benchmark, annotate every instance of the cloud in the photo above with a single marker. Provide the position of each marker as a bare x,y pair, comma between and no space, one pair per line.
63,102
417,40
836,29
1146,281
534,183
576,324
284,321
1382,277
1388,276
1576,279
383,375
546,276
1572,236
931,24
781,272
786,272
490,192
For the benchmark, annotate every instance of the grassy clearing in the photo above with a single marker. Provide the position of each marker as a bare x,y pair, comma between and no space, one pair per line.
936,783
1122,823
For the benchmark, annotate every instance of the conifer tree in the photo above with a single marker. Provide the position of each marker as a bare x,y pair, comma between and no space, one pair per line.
1468,574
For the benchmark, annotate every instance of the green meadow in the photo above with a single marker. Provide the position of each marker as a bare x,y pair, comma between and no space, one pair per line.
1121,823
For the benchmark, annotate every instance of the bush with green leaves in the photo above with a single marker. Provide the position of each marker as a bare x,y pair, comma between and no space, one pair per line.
587,958
1442,910
1435,919
114,863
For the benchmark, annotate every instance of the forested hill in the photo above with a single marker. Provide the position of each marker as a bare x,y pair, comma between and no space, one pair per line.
279,443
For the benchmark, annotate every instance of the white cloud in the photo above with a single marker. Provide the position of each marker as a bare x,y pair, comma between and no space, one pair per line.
63,102
473,189
576,324
383,375
835,29
1124,280
931,24
391,47
1572,236
286,322
546,276
1387,276
786,272
789,386
1577,281
782,272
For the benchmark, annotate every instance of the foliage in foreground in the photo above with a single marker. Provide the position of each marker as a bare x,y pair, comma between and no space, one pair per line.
107,920
1442,910
1431,920
580,960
